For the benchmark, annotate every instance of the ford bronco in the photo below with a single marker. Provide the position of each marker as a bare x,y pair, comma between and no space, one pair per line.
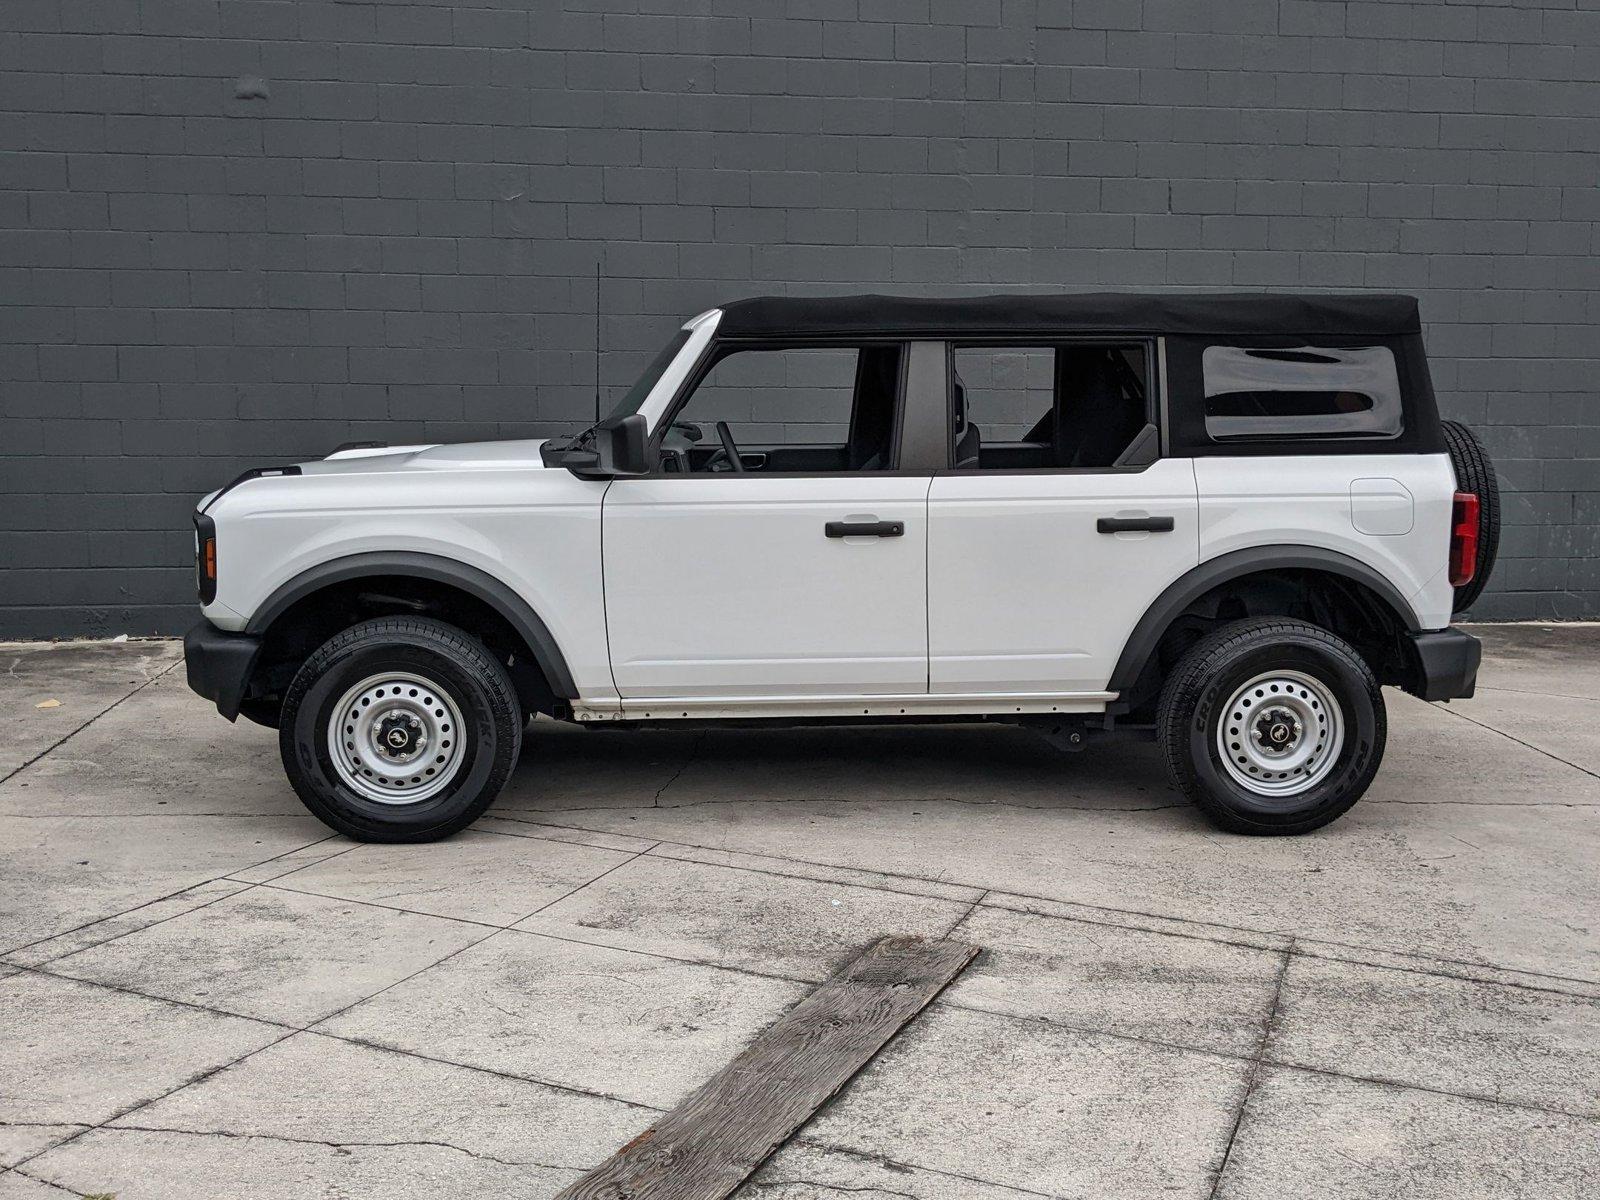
1222,520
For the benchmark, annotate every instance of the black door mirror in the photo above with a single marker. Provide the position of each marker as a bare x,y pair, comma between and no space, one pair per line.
620,445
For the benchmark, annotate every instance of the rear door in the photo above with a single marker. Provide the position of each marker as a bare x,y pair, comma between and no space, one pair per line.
1043,552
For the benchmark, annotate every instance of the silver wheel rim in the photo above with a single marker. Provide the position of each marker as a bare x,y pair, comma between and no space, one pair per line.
395,738
1280,734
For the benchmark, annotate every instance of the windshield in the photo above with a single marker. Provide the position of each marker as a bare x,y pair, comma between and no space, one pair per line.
640,391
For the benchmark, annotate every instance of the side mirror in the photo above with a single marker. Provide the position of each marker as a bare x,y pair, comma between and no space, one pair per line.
620,446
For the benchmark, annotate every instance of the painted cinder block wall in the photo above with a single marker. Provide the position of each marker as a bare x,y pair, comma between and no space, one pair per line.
241,232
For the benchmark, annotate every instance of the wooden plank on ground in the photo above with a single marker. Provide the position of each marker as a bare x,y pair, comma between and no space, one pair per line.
710,1143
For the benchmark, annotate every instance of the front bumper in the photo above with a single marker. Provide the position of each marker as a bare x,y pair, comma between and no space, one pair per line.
1446,663
219,663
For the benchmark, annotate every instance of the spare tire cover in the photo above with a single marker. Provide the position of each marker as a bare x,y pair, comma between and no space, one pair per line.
1475,473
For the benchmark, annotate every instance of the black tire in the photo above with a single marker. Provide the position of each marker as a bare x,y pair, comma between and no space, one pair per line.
1196,698
473,688
1475,473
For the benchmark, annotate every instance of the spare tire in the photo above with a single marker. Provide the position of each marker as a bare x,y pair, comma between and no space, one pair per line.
1475,474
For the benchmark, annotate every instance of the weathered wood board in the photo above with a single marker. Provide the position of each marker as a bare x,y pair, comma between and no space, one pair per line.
714,1139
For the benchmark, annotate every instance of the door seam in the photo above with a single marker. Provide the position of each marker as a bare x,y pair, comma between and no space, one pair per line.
927,586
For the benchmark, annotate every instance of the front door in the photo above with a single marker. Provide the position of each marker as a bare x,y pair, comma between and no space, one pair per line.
749,586
778,550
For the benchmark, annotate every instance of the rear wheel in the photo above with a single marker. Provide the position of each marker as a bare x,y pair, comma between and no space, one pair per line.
1272,726
400,730
1475,474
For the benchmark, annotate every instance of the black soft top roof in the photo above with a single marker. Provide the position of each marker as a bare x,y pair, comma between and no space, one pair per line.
1061,313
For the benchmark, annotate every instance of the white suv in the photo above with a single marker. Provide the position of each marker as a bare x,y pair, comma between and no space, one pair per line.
1225,520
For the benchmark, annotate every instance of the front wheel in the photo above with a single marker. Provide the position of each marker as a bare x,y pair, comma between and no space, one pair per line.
400,729
1272,726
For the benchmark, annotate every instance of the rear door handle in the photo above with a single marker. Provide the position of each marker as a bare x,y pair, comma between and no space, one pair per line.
844,529
1134,524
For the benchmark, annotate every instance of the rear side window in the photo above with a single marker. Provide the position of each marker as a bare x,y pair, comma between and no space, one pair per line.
1307,391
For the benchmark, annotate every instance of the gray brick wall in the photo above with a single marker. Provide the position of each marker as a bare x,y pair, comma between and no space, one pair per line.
244,231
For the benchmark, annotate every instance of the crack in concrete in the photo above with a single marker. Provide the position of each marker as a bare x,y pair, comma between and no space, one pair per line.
586,883
823,1189
1134,913
346,1145
1513,737
1253,1070
74,733
1537,692
688,760
49,1183
902,1167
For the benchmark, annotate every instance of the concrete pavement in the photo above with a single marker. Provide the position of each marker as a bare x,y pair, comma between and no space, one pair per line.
205,994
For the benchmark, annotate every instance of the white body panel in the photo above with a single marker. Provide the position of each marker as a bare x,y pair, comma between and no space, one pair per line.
1025,594
726,586
1315,500
491,505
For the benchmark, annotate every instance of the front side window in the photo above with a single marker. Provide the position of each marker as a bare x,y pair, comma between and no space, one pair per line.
1305,391
1022,407
792,409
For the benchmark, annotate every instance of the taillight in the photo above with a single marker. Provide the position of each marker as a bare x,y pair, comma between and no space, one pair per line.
1463,539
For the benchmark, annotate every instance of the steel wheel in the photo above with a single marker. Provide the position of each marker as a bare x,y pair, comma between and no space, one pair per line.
395,738
1280,733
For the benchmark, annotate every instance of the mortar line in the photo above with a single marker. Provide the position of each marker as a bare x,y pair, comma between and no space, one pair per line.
162,674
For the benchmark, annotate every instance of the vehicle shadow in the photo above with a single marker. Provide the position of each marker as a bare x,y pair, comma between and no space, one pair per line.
565,768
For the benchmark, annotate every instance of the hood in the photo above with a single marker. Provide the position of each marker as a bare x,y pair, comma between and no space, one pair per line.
373,460
465,456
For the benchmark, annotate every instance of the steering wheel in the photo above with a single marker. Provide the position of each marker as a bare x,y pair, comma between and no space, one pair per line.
730,450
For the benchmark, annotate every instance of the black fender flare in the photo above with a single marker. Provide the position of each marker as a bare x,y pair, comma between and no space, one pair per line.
1236,564
437,569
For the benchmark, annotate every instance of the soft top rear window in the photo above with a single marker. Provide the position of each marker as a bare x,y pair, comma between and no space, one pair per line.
1305,391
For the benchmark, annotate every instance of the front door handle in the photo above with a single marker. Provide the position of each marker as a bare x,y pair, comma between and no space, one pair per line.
1134,524
844,529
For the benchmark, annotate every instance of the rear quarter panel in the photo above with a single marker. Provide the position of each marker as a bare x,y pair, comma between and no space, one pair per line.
1326,501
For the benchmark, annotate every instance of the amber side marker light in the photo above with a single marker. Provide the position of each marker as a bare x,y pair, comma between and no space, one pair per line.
205,557
1463,539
